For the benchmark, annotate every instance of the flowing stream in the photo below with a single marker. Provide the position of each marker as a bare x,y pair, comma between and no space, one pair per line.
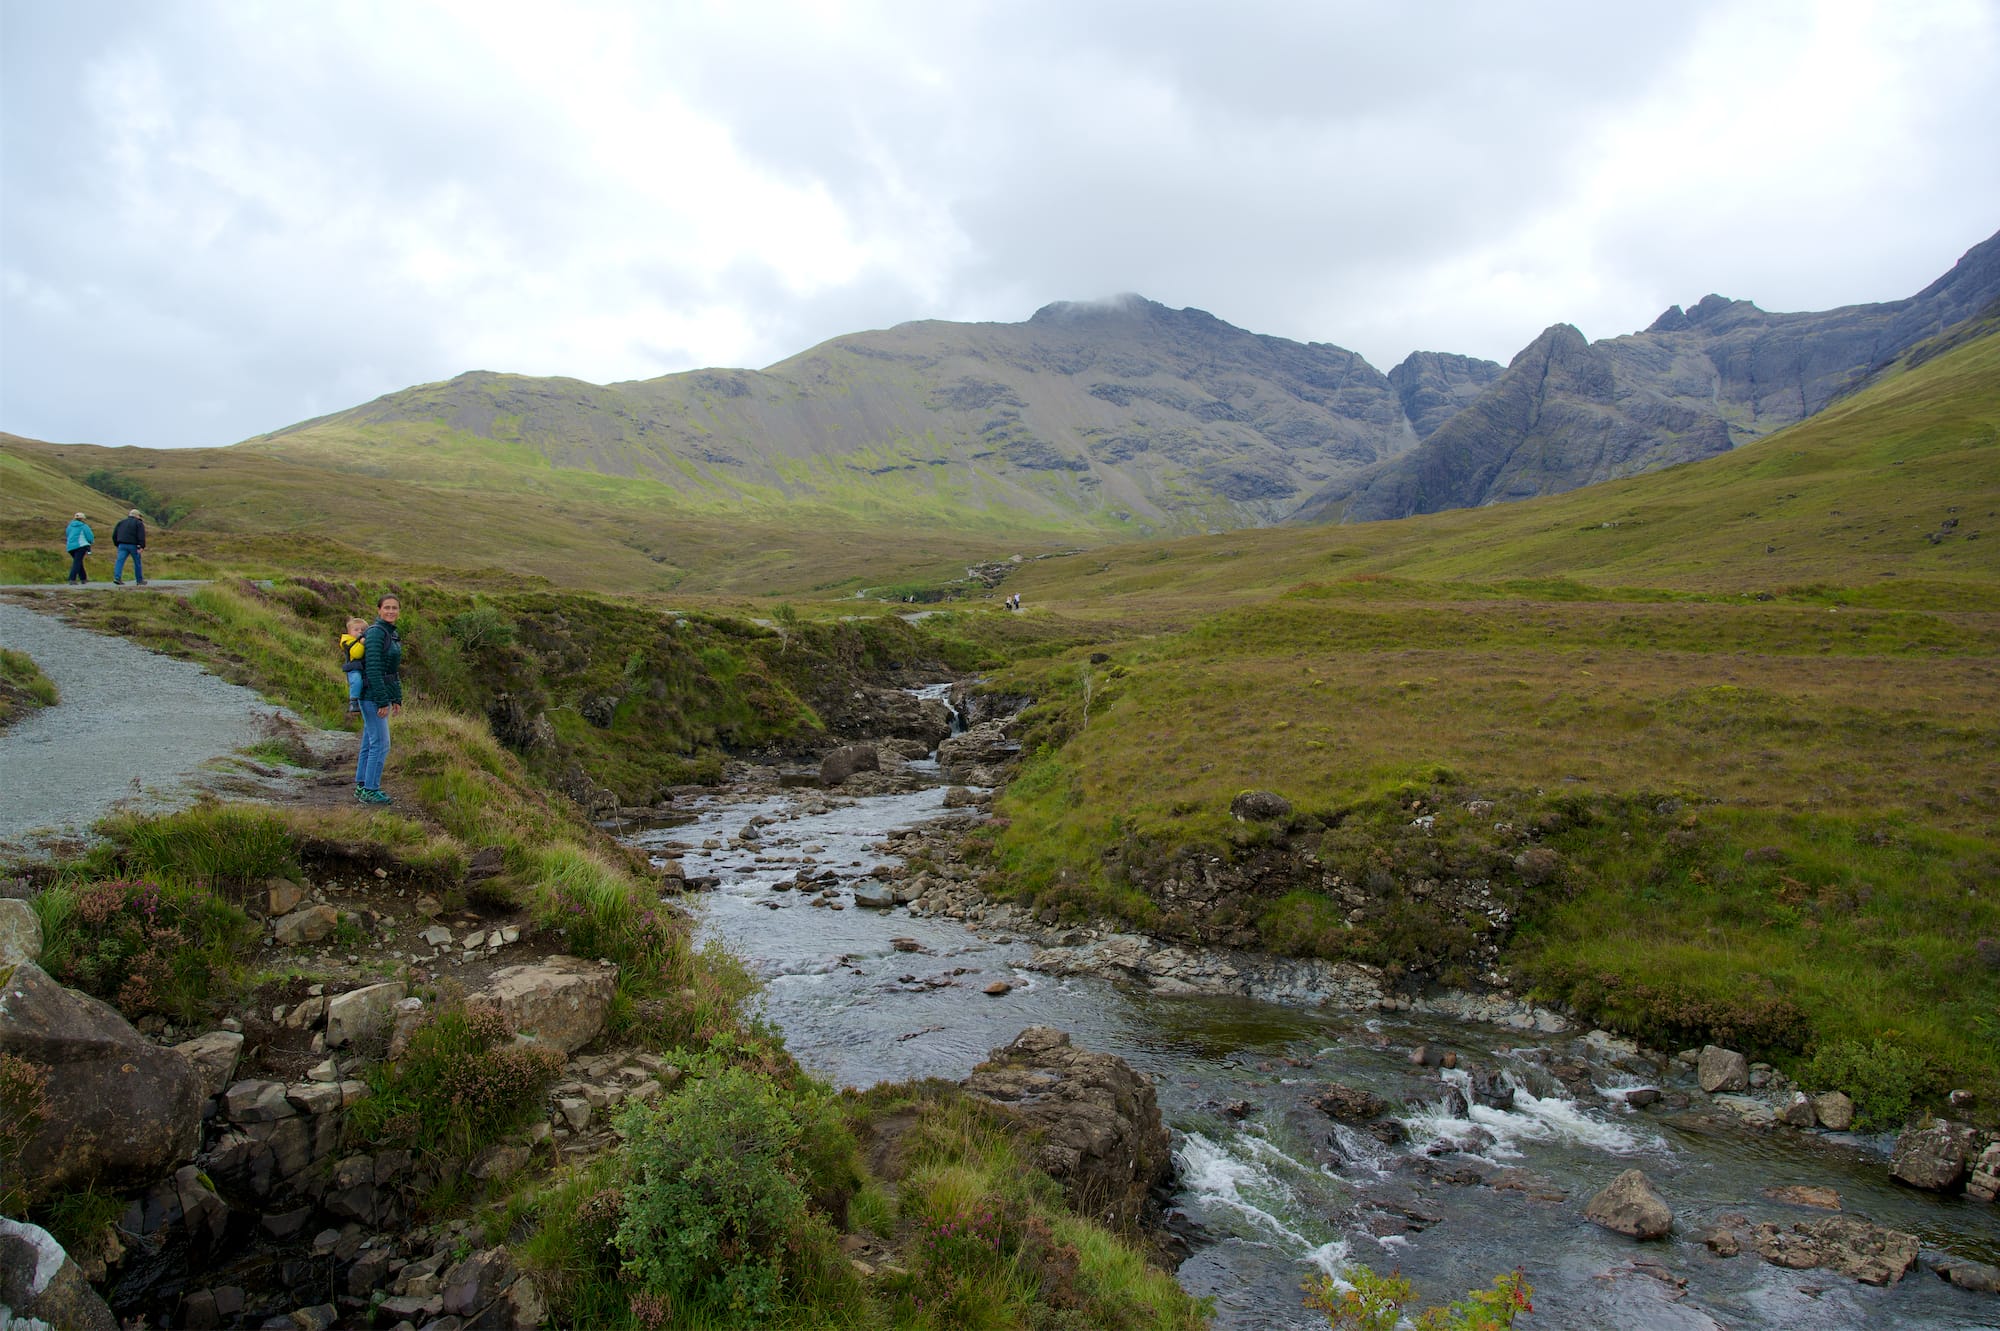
1281,1191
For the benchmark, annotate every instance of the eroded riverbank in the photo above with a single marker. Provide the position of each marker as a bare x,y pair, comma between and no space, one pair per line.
1269,1185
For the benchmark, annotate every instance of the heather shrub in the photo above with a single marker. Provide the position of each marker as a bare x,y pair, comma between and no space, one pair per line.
462,1084
144,947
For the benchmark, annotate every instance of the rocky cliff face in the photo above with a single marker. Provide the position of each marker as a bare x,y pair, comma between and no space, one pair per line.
1698,381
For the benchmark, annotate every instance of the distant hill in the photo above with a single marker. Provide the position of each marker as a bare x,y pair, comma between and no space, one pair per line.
1702,381
1119,416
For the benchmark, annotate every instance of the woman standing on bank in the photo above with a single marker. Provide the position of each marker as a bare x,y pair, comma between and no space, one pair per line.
79,540
381,698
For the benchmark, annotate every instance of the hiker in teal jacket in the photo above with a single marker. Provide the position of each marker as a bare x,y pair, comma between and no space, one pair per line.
79,540
381,698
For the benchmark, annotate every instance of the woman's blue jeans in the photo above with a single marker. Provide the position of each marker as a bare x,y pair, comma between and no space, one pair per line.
374,746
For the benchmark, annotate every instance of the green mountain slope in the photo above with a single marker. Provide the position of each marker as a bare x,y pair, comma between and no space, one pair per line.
1122,418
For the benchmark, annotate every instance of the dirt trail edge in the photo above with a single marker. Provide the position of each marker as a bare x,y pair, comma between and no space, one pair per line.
133,729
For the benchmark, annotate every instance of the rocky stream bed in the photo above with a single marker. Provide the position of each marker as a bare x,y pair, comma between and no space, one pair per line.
1286,1116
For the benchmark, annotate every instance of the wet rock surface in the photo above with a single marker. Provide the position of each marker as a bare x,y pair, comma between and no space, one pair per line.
1100,1133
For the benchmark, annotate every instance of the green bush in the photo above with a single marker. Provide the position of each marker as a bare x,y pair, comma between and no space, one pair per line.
461,1085
479,628
1884,1080
1375,1303
718,1219
144,947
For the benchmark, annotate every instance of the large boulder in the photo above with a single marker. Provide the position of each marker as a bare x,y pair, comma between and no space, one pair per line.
122,1108
311,924
39,1281
1259,806
20,932
1834,1110
977,757
1349,1104
359,1013
1723,1070
560,1000
1630,1206
1933,1156
845,761
1097,1120
1866,1252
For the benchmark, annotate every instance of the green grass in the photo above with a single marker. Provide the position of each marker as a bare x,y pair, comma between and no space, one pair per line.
1829,709
23,687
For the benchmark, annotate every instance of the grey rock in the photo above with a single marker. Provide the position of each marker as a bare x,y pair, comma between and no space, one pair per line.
1632,1207
1796,1110
318,1317
1349,1104
1975,1276
310,924
876,896
1098,1122
257,1101
361,1012
559,1000
282,896
213,1057
1932,1156
844,762
20,933
1854,1247
1259,806
472,1284
1834,1110
983,750
1723,1070
123,1108
38,1279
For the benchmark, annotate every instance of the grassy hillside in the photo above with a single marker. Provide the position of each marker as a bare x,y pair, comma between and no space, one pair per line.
243,512
1723,739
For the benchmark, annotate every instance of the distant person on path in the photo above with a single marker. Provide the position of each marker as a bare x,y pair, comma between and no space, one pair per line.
79,541
130,538
381,698
352,648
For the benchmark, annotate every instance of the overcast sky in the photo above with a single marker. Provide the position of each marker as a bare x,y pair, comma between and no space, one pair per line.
218,219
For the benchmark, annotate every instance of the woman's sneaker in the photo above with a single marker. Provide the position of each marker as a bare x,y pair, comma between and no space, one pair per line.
375,797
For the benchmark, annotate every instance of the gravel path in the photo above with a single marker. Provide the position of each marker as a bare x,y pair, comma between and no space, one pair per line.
133,729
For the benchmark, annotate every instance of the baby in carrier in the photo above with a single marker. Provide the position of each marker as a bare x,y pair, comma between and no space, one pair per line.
351,649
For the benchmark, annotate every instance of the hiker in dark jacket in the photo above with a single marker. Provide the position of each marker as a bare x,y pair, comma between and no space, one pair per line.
130,538
381,698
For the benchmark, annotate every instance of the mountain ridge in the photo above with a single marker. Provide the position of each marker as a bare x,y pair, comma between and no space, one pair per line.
1125,416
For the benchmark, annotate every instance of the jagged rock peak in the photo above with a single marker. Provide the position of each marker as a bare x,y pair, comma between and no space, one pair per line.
1554,341
1672,320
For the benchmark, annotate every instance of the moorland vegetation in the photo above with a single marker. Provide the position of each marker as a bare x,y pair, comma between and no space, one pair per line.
1720,738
